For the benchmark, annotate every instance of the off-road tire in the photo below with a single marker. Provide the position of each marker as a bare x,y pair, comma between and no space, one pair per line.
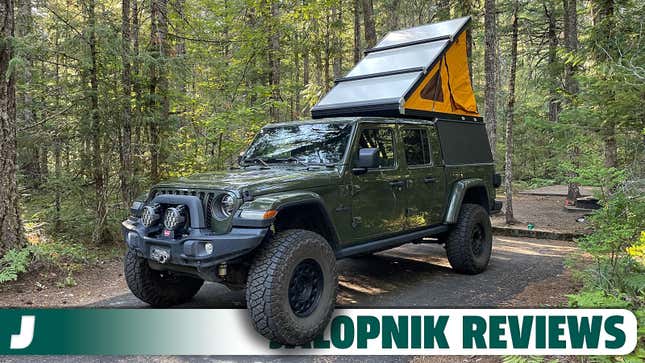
267,292
156,288
459,242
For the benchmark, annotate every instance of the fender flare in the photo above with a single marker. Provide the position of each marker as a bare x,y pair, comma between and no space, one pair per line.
457,194
279,202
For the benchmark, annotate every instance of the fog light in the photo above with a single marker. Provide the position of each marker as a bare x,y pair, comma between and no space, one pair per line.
208,247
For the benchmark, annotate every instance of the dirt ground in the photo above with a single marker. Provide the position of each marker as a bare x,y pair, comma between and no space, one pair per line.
545,212
46,289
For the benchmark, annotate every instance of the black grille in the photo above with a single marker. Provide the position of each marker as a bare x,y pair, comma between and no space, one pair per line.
206,197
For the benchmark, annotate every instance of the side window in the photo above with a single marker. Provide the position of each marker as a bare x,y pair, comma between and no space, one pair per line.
381,139
417,149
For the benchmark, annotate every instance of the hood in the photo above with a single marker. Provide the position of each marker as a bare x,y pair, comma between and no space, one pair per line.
256,180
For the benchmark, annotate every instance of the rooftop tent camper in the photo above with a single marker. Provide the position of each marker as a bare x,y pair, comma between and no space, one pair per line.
416,72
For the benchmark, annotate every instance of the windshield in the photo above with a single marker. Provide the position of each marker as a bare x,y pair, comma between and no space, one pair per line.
323,143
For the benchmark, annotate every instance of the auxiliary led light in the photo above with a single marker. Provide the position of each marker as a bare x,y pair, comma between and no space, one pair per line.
175,217
151,215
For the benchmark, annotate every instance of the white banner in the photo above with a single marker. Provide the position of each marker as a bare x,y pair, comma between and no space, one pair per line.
434,332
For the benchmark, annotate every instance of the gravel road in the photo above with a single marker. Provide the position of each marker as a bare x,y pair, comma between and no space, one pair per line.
417,276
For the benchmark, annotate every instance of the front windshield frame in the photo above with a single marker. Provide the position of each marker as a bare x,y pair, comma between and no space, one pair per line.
246,160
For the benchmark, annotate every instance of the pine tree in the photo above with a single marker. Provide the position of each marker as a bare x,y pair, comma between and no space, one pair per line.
11,235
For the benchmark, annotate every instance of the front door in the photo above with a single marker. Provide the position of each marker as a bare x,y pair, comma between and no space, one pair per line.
378,203
425,181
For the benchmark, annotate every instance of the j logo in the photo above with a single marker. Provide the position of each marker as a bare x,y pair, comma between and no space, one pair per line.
23,340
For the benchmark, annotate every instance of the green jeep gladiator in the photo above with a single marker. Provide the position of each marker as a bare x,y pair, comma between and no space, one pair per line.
306,194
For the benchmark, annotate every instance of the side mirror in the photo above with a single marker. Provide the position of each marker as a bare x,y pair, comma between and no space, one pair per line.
367,158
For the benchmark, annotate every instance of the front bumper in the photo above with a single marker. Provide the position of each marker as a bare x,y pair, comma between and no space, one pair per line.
187,254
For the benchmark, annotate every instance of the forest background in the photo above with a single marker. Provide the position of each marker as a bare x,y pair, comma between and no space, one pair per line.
103,98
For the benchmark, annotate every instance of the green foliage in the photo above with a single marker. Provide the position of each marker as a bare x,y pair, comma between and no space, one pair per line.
598,299
13,263
526,359
67,256
616,279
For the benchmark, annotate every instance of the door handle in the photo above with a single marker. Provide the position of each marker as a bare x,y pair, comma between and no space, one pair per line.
397,183
429,180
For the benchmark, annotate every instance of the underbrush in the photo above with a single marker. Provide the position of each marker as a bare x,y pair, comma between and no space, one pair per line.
61,246
616,278
66,258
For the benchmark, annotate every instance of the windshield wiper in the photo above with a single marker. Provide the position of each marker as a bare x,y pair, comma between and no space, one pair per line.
294,159
257,161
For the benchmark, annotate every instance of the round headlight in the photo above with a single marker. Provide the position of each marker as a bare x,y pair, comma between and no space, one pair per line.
175,217
151,215
224,207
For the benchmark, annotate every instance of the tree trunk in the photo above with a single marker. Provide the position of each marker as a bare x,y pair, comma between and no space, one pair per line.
554,74
163,72
603,21
609,139
508,179
295,109
357,32
10,224
57,148
274,58
100,232
30,152
571,45
337,16
393,12
158,86
138,97
125,149
490,68
571,88
152,93
326,75
368,23
466,8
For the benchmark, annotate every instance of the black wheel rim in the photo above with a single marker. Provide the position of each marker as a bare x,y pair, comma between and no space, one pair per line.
477,240
305,287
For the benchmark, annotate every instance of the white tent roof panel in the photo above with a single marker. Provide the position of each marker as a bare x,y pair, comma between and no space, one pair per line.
389,60
388,88
448,28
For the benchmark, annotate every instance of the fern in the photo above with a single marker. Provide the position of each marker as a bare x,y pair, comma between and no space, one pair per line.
13,263
522,359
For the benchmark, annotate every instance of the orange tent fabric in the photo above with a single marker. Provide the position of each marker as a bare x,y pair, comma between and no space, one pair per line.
457,93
